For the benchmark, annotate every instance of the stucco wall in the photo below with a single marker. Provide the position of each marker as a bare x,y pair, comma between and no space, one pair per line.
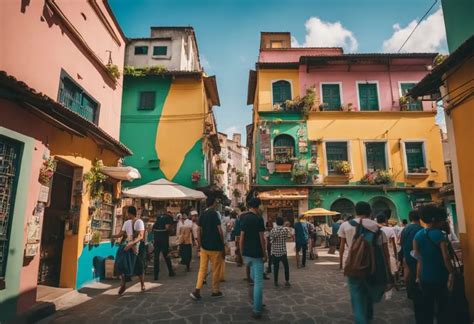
40,47
264,86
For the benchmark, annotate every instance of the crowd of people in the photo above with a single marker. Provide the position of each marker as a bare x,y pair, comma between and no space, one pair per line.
375,254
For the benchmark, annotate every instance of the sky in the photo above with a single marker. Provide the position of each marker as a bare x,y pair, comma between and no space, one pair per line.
228,34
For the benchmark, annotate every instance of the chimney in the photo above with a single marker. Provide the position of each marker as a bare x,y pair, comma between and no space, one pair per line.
236,137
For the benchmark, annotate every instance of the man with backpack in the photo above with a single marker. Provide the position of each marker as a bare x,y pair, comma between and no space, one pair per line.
365,262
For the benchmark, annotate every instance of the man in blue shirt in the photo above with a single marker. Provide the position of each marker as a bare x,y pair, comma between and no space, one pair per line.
301,240
434,271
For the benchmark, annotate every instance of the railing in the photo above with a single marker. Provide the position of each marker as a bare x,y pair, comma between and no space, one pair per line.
75,103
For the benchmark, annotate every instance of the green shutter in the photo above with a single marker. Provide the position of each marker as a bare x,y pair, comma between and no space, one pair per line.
368,96
141,50
335,151
281,91
331,97
160,50
413,105
414,154
375,152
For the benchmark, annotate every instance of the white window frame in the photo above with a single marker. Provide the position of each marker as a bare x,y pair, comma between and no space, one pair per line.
358,95
349,154
276,80
387,156
341,96
404,152
400,86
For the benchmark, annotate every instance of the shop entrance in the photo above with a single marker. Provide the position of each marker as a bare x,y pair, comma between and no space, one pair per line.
52,236
288,209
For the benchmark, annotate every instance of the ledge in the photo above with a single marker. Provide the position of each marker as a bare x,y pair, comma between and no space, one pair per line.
372,113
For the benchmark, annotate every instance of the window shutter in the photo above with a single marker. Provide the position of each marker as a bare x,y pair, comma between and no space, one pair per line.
368,97
414,154
147,100
331,96
281,91
376,156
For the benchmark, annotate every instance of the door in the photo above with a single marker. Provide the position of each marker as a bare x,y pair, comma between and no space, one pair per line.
368,96
53,225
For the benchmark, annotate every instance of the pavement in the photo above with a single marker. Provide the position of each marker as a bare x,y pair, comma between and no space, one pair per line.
318,295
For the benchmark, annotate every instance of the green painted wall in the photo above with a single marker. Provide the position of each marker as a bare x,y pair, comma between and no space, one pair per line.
278,123
138,131
459,21
321,197
10,295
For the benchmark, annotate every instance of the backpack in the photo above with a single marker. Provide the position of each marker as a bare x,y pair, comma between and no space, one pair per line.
366,258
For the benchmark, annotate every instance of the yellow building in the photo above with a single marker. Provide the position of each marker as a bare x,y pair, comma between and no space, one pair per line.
452,81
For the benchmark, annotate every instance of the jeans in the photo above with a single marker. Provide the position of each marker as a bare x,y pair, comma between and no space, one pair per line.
216,264
256,270
303,247
414,293
435,293
276,267
363,297
161,247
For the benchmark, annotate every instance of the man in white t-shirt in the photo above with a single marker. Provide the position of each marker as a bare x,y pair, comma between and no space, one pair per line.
391,238
132,257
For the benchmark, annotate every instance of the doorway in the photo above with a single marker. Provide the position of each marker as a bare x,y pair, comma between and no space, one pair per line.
52,236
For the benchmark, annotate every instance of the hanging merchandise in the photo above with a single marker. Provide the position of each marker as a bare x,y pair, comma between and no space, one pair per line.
302,145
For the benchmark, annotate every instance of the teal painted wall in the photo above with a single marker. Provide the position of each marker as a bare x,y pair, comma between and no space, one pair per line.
400,199
138,127
10,295
194,160
459,21
277,124
86,272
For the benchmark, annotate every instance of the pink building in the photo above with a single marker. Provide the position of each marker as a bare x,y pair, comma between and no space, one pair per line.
60,101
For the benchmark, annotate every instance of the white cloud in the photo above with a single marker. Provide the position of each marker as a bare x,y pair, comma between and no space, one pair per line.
321,33
205,63
430,36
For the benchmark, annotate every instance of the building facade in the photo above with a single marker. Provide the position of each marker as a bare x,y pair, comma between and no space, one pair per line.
452,82
59,111
330,129
232,169
167,111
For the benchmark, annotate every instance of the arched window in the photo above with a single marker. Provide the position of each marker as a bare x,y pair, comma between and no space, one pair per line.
344,206
283,148
281,91
381,204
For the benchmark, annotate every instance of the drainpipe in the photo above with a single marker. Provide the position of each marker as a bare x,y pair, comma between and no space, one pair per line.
390,80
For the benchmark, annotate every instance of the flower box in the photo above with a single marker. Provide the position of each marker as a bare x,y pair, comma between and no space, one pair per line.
337,179
283,167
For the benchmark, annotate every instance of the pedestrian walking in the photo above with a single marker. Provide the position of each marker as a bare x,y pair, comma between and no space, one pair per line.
409,263
194,226
391,237
334,238
252,245
161,241
301,240
367,265
131,256
278,237
211,244
236,233
186,245
434,269
268,228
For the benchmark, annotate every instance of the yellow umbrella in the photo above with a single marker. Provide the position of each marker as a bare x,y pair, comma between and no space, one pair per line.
319,212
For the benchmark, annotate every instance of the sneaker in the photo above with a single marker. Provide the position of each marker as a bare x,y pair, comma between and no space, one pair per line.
287,284
195,296
217,295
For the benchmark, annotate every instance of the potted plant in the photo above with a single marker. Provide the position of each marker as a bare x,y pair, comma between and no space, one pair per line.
300,175
47,171
342,168
403,102
95,179
347,107
384,177
196,176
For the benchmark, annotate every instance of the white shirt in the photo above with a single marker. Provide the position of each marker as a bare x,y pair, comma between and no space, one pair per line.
188,223
127,228
390,233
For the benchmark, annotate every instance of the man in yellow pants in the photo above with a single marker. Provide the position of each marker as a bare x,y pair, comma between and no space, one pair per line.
211,242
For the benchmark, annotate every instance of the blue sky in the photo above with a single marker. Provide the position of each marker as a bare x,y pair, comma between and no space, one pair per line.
228,33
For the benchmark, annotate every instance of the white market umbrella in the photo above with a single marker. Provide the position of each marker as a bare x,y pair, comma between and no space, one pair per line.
163,189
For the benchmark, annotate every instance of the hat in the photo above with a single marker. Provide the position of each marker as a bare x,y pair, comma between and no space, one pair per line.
193,212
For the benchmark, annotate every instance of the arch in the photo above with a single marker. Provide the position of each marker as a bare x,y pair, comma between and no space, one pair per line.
284,140
281,91
344,206
380,204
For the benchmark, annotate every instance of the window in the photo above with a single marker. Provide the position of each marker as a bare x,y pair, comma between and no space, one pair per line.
344,206
10,155
368,97
375,154
141,50
276,44
147,100
331,96
74,97
160,50
281,91
283,149
335,151
412,104
415,157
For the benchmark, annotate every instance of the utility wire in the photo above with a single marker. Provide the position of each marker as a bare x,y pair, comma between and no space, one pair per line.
419,22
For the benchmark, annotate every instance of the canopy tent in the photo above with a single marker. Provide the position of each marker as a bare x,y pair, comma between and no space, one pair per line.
163,189
121,173
319,212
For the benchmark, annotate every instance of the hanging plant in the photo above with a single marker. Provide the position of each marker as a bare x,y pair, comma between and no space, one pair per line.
47,171
196,176
95,180
113,71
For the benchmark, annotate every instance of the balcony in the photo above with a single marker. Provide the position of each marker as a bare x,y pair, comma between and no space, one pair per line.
78,104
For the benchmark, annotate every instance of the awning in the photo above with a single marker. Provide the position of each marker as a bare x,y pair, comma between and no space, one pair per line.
163,189
284,194
121,173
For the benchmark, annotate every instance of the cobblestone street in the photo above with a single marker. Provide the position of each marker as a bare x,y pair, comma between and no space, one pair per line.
317,295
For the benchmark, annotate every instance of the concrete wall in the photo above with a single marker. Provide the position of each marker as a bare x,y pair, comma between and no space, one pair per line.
36,46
